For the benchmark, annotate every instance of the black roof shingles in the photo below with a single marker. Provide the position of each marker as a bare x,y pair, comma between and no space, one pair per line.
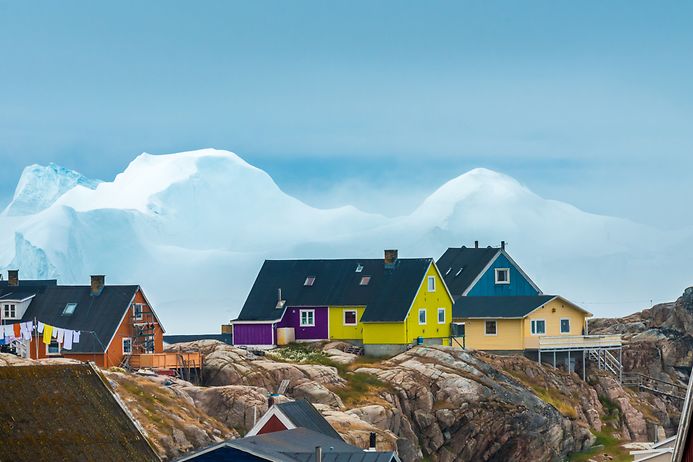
97,317
471,261
387,296
498,307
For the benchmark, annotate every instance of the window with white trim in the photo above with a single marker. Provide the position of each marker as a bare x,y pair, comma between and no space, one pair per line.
365,280
137,310
69,309
441,315
565,326
538,327
491,328
431,284
307,318
502,275
53,348
127,346
10,311
310,280
422,316
350,318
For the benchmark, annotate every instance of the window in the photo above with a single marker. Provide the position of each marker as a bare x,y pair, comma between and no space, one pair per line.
10,311
359,267
309,281
422,316
350,317
307,318
502,275
490,328
538,327
53,348
69,309
137,311
431,284
565,326
441,315
365,280
127,346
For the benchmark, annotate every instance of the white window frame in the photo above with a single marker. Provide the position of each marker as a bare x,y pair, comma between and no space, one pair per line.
74,307
532,326
495,323
356,317
423,310
507,272
48,353
431,283
300,318
441,310
365,280
134,311
309,281
9,308
122,344
560,326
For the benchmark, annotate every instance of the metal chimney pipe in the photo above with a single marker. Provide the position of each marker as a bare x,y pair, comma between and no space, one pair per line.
318,454
502,245
476,244
371,442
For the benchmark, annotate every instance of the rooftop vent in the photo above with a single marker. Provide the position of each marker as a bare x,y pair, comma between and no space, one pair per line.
280,302
448,271
359,267
459,271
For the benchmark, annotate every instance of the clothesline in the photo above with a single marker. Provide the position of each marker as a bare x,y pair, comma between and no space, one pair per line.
24,331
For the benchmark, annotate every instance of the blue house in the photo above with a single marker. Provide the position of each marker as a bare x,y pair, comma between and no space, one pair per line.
489,271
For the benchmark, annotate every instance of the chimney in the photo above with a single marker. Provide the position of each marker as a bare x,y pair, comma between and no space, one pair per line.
390,257
13,277
97,283
476,244
502,245
318,454
371,442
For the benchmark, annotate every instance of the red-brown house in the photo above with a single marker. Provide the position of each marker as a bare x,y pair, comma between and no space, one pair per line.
114,321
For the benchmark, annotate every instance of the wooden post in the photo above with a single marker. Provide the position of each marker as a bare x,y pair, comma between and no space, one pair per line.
584,371
36,340
569,366
554,359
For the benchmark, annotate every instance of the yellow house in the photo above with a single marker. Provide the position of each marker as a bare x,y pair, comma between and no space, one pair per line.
385,304
517,323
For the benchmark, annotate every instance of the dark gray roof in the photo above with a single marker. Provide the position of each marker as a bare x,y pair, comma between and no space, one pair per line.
387,297
65,412
362,456
30,283
498,307
471,261
303,414
101,314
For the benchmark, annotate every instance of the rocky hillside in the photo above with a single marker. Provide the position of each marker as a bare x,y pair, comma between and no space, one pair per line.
659,339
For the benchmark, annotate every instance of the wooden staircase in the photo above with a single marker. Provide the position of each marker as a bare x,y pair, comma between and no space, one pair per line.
644,382
355,350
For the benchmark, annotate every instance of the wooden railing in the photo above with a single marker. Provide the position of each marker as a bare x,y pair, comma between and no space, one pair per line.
578,342
166,360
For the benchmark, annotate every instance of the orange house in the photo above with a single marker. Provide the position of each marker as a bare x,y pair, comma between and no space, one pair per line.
117,324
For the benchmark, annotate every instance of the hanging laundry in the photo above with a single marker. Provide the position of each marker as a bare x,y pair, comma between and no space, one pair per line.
40,327
47,332
67,342
26,330
55,332
61,333
17,330
75,336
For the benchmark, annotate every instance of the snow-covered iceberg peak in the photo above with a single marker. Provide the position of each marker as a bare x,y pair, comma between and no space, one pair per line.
148,175
40,186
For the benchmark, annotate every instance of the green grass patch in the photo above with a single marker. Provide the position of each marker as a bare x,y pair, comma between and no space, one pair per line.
606,443
360,387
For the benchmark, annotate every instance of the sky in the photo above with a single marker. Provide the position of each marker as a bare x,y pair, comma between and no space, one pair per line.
374,104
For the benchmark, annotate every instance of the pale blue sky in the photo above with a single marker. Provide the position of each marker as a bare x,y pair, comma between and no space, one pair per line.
375,103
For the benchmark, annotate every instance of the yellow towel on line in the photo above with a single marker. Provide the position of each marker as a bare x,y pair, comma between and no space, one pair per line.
47,331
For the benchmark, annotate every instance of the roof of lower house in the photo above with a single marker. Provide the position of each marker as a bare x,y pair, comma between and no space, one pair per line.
296,445
97,316
65,412
303,414
503,307
387,296
683,446
461,266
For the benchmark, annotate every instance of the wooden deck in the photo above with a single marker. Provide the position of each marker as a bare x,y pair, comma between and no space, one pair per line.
580,342
166,360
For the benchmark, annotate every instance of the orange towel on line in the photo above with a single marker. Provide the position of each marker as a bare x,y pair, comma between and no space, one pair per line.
47,331
17,331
